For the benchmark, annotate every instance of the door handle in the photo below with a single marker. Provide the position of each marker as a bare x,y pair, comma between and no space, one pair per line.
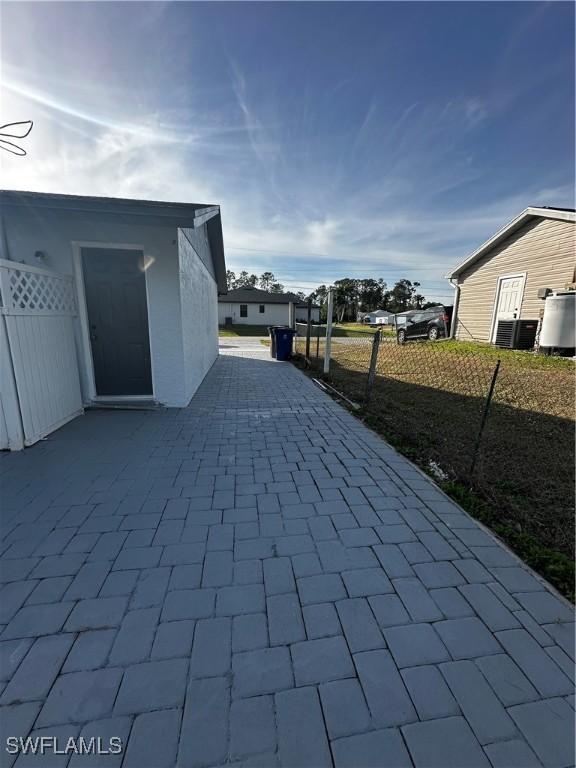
93,337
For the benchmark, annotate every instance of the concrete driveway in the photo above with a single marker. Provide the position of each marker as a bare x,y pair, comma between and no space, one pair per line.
240,344
260,580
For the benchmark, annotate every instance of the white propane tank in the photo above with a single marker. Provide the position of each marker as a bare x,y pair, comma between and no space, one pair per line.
559,322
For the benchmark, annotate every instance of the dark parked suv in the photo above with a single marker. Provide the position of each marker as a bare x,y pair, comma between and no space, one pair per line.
432,323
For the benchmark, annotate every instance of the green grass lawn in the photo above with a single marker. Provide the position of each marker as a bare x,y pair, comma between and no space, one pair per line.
358,330
243,330
516,357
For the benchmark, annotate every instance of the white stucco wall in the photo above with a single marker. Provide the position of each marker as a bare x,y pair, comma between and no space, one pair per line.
199,301
53,232
274,314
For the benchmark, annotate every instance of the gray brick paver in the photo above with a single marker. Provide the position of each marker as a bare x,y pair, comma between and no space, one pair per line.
548,726
384,749
417,600
49,590
479,704
302,740
430,693
205,723
135,636
514,753
321,620
344,707
508,682
90,651
538,667
467,638
285,622
415,644
249,632
118,727
321,588
37,620
11,654
446,743
252,727
360,628
384,689
367,581
322,660
13,596
152,685
262,671
80,696
173,639
262,550
16,721
233,601
61,733
188,604
492,612
278,575
153,739
212,648
35,675
96,613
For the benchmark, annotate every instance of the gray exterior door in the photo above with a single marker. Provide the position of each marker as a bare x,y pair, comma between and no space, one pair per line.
115,286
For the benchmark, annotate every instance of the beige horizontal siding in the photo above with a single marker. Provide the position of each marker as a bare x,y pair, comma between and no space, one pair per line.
543,248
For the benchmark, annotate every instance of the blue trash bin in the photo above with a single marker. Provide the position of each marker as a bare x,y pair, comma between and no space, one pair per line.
284,338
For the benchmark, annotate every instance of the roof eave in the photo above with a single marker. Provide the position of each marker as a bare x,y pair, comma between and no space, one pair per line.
527,214
117,205
216,240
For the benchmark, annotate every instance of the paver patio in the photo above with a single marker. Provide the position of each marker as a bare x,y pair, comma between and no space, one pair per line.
260,580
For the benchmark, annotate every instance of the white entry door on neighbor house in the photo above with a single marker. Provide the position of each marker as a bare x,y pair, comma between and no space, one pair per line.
508,299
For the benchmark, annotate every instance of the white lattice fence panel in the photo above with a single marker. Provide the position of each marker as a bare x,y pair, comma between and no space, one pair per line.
39,308
33,291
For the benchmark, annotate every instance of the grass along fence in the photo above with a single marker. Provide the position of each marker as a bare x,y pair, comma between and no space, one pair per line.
510,464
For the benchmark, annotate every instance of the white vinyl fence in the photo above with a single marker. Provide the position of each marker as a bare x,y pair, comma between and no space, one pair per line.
39,377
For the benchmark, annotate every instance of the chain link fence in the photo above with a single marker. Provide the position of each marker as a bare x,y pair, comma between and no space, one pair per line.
496,421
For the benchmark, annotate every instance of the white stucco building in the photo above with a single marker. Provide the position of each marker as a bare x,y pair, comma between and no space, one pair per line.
123,292
252,306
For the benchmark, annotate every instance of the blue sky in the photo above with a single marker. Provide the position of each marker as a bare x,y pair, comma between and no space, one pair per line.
341,139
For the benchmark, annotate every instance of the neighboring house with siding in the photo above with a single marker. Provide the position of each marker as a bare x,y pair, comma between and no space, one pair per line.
252,306
500,280
103,299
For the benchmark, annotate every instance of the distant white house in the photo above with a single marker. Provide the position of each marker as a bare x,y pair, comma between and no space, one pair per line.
252,306
103,300
378,317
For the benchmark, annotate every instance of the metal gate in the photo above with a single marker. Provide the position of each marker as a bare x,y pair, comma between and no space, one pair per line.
39,376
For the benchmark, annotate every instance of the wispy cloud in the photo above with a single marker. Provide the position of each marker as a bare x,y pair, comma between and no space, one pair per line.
321,170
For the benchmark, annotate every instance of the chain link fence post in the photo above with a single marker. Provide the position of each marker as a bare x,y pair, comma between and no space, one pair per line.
372,368
485,413
328,344
308,327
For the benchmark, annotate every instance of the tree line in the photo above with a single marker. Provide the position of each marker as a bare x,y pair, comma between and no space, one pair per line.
351,296
266,282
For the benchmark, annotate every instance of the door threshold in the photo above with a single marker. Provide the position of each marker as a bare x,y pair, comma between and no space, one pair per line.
124,403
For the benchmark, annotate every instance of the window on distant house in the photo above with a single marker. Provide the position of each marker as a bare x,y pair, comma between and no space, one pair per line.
243,310
261,310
